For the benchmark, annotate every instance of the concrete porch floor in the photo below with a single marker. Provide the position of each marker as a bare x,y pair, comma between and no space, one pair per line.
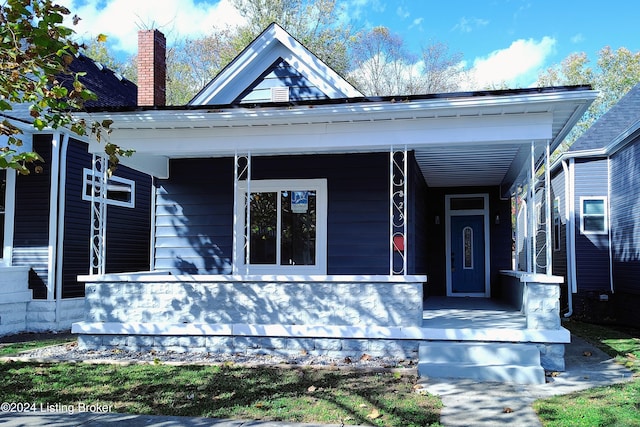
470,313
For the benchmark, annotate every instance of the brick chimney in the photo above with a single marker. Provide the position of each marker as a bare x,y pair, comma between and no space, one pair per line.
152,69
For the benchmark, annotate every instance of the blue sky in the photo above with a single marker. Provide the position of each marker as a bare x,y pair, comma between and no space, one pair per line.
500,40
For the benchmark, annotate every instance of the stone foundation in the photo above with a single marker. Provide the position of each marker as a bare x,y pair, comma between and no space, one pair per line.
341,315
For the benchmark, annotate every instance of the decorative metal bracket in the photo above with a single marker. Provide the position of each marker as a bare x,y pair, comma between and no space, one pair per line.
398,212
99,182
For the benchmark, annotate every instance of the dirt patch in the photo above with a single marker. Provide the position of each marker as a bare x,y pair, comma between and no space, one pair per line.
35,336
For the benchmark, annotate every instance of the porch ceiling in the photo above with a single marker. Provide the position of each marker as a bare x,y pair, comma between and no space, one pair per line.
476,165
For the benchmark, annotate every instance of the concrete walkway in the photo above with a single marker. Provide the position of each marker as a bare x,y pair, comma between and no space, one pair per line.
466,403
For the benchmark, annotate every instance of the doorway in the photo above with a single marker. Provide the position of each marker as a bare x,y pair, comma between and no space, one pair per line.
467,245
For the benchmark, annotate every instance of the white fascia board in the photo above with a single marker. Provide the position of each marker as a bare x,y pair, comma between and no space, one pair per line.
336,137
322,113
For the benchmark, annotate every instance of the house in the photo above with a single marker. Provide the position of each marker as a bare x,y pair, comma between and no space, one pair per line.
596,206
292,213
45,217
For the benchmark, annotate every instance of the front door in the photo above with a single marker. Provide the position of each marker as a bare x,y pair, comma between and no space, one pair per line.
467,246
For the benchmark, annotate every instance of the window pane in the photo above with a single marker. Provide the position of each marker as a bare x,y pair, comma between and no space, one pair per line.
466,203
263,228
594,223
118,191
298,234
467,245
593,207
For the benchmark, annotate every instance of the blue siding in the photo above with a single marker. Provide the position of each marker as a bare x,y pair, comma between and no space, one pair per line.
31,226
128,229
592,251
418,220
559,256
75,257
194,213
280,74
194,217
625,218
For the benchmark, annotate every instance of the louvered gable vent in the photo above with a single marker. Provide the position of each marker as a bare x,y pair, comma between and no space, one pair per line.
280,94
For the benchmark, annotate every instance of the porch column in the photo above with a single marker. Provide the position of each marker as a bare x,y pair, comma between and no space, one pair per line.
241,170
547,213
99,182
398,186
533,220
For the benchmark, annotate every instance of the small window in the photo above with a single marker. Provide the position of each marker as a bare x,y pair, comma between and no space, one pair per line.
120,191
466,203
556,224
593,215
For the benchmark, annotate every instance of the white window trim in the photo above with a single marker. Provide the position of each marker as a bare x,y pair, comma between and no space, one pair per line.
605,215
128,182
320,186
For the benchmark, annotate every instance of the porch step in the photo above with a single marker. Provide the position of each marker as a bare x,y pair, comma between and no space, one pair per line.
502,362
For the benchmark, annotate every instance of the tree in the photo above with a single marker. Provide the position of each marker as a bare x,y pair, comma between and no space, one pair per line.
380,62
381,65
441,70
616,72
193,63
35,51
314,23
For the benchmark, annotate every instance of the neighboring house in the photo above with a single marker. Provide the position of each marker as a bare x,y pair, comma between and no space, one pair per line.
45,217
360,210
596,201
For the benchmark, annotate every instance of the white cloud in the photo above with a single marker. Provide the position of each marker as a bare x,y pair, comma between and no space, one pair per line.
466,25
578,38
516,66
120,20
402,12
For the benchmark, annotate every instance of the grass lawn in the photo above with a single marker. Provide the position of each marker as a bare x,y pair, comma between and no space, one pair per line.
294,394
616,405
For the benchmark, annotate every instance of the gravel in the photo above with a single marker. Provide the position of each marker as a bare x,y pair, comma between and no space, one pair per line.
70,352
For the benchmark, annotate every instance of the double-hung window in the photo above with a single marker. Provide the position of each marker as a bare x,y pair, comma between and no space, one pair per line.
593,215
287,227
120,191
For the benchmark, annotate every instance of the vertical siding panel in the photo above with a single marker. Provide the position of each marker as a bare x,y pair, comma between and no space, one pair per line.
418,220
31,228
625,218
194,211
194,217
560,256
592,251
128,229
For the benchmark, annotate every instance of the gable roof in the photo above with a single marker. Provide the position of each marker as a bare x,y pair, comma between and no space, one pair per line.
610,125
272,46
111,89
